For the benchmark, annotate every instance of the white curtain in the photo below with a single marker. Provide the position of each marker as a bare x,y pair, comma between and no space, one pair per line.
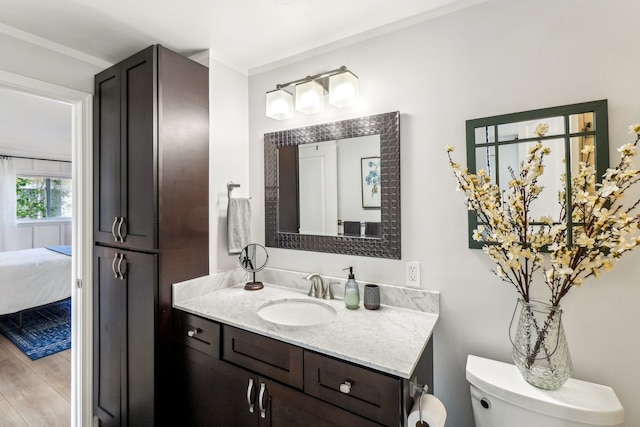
8,228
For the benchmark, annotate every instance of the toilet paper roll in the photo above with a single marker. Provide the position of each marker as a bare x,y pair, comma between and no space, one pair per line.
433,412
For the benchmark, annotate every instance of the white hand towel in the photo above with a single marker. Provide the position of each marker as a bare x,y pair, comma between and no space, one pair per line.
238,224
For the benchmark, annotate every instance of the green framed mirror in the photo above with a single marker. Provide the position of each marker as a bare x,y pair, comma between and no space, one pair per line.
500,143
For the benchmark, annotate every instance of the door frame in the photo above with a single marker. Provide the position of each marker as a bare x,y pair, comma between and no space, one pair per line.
82,239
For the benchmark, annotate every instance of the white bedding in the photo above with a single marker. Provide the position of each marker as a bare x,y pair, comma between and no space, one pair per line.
33,277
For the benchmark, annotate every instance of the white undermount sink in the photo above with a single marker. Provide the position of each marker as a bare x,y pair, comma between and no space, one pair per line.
297,312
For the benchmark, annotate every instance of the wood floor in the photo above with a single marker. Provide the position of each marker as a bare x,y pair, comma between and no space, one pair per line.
34,393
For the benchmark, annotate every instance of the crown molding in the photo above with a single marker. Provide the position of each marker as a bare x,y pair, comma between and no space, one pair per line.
53,46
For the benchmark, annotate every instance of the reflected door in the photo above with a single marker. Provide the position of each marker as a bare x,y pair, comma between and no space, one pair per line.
318,188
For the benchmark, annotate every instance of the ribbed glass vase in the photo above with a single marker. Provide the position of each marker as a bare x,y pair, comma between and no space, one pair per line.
540,349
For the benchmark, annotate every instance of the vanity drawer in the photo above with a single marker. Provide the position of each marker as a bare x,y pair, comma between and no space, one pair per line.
371,394
274,359
198,333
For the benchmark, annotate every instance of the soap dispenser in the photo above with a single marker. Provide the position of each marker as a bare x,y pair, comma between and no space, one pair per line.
351,291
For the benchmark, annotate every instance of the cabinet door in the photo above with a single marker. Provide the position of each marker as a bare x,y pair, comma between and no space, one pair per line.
124,311
109,351
106,153
210,392
125,156
286,407
138,150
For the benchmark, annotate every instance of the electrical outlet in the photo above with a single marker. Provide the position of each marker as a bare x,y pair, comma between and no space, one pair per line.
412,274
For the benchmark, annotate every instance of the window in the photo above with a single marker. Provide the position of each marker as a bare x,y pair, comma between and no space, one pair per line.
43,198
499,144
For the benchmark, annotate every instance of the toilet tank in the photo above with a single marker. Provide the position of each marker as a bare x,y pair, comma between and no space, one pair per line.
502,398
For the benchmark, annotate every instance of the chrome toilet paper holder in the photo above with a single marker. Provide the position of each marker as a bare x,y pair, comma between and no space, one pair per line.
414,389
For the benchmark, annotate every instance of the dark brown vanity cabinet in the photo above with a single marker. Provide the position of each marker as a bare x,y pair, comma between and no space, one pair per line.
230,377
151,169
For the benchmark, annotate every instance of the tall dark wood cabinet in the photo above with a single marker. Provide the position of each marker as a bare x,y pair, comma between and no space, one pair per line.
151,145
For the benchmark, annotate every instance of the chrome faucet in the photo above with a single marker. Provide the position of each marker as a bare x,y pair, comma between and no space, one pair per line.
318,288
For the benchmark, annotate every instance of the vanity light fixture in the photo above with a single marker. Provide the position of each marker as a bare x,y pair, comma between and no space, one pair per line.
341,85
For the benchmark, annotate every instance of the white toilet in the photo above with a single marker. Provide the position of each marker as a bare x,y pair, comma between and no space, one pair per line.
502,398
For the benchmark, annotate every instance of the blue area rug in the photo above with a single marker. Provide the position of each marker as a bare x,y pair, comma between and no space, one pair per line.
45,330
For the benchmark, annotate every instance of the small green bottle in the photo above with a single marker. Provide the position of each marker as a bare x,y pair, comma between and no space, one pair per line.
351,291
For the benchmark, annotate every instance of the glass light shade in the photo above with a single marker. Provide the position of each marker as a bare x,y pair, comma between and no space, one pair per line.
310,97
343,89
279,104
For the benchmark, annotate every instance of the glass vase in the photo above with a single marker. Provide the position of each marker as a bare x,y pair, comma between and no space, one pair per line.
540,349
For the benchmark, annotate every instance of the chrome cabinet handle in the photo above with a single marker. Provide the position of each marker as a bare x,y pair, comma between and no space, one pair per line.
263,412
120,272
117,271
113,265
345,387
113,228
120,229
250,395
193,332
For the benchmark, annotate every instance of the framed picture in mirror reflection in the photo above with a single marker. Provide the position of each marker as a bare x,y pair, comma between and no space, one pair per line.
370,179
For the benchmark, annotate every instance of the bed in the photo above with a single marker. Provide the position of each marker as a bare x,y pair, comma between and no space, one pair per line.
33,277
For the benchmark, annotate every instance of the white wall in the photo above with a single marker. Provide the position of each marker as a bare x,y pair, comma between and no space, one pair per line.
228,153
499,57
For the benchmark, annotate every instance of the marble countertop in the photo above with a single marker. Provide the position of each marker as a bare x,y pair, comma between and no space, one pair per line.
389,340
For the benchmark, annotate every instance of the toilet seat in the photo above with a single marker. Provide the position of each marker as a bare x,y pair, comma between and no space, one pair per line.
576,400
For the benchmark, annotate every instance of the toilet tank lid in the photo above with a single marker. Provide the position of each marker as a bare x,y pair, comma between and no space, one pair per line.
578,401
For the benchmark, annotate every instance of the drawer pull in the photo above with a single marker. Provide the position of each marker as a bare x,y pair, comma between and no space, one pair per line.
193,332
250,395
345,387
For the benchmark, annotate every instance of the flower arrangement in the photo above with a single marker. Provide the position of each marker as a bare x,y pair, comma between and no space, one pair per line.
601,228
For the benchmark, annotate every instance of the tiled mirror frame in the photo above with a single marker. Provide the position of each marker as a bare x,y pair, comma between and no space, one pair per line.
386,125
